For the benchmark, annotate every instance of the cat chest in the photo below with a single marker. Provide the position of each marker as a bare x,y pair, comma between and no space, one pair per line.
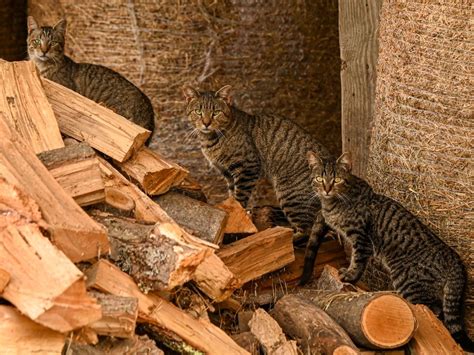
337,221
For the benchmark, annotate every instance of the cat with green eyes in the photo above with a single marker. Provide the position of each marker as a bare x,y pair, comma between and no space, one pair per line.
245,147
96,82
423,269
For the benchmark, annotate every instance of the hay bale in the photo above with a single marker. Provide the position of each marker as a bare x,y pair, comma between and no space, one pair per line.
422,145
13,29
281,56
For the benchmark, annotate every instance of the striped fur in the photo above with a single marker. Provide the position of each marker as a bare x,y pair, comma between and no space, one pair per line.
422,267
244,147
98,83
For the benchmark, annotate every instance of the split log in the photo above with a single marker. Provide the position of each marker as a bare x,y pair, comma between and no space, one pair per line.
45,285
270,335
261,253
26,108
244,318
156,259
152,172
153,309
239,220
76,169
193,303
375,320
110,346
119,315
198,218
191,188
431,337
4,280
330,281
314,331
211,276
70,228
118,199
248,341
85,120
20,335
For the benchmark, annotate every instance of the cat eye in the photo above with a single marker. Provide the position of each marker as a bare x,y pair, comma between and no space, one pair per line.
216,113
337,180
198,112
319,179
36,42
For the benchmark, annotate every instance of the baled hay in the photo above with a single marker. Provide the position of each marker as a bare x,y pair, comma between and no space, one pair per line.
422,145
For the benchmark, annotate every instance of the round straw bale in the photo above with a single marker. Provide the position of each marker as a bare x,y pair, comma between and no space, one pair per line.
422,145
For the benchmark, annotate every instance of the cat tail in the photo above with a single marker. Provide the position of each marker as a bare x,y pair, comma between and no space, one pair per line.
452,309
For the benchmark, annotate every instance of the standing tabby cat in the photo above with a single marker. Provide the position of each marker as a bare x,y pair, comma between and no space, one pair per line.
98,83
422,267
244,147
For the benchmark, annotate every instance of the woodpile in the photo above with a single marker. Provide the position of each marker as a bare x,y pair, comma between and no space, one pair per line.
103,250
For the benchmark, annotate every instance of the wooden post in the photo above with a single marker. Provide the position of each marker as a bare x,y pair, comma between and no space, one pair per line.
358,37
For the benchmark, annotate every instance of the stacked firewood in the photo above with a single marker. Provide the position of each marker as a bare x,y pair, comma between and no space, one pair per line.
107,247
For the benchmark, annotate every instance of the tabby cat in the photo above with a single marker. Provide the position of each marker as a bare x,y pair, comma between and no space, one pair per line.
98,83
244,147
422,267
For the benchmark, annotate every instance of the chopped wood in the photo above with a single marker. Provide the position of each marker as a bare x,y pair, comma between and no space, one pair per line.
76,168
20,335
86,120
198,218
314,331
244,318
156,258
330,281
153,309
193,303
248,341
4,280
119,199
270,335
110,346
261,253
431,336
26,108
84,335
152,172
70,228
119,315
239,220
375,320
191,188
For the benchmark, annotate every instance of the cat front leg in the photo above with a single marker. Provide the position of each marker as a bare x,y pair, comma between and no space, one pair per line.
244,184
319,230
361,251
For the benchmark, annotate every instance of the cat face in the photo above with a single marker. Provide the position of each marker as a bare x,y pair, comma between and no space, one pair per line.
45,43
209,111
330,178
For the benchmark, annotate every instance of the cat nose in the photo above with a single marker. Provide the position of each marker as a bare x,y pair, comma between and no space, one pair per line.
44,48
206,123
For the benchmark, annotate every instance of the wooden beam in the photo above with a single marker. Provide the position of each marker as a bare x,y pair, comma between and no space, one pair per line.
20,335
152,172
86,120
358,37
239,220
70,228
76,169
26,108
153,309
259,254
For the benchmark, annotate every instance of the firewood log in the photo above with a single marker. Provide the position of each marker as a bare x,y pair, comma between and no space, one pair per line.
110,346
239,220
375,320
248,341
4,280
314,331
76,169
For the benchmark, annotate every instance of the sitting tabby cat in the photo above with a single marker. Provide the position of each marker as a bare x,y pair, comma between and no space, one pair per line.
98,83
422,267
244,147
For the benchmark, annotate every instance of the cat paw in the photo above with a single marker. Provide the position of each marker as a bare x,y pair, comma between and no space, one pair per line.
348,275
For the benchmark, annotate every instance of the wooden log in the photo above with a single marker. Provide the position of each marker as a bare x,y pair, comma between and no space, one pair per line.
119,315
248,341
85,120
239,220
152,172
156,259
314,331
198,218
70,228
358,33
20,335
244,318
76,169
431,337
191,188
270,335
330,281
4,280
192,303
118,199
153,309
26,108
375,320
261,253
110,346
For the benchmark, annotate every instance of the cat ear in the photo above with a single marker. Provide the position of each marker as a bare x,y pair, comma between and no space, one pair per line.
32,24
314,160
345,161
224,93
60,26
190,93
